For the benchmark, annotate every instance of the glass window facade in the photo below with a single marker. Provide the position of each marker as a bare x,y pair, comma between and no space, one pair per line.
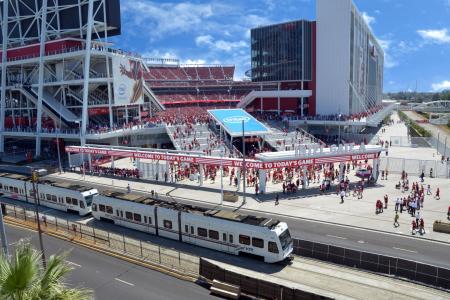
282,52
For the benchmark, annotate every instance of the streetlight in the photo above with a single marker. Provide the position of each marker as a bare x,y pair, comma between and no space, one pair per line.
3,233
243,163
222,150
34,179
339,128
82,153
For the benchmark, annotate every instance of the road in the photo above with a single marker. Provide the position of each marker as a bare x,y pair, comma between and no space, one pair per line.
112,278
410,248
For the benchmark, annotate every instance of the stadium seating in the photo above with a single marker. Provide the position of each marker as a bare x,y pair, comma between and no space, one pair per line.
190,73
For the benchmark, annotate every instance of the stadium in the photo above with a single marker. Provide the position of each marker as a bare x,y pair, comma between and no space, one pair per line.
64,84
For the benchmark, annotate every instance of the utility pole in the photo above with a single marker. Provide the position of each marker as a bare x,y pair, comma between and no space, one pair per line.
243,163
34,179
3,233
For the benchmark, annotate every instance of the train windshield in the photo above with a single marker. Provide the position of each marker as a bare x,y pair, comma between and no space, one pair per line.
285,239
88,200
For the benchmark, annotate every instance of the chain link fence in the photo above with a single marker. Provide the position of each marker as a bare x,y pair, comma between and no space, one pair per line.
397,165
142,250
393,266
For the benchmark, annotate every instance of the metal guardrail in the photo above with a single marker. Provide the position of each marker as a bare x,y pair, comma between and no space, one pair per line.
402,268
144,251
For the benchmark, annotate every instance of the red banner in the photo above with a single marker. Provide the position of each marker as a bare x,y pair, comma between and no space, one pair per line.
230,162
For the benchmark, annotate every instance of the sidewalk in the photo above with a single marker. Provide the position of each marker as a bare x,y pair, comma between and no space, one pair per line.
359,213
400,130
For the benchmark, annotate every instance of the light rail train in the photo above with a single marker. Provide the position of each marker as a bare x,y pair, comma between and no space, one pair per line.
58,195
220,230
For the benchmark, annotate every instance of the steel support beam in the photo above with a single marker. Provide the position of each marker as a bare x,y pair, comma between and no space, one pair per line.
3,87
87,65
43,38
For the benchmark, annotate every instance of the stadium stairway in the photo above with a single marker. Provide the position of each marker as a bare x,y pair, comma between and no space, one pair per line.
282,141
202,134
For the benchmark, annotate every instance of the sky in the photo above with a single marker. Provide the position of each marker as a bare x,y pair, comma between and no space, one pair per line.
415,34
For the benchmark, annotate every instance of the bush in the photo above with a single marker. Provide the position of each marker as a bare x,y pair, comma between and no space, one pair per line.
414,127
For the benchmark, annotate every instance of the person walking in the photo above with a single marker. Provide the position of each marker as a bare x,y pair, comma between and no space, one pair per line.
385,201
417,218
421,226
342,196
128,188
437,196
428,190
396,217
277,198
397,204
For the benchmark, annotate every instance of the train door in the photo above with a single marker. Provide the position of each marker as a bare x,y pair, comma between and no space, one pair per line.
189,233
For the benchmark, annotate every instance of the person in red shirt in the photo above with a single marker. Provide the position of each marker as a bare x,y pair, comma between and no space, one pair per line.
437,197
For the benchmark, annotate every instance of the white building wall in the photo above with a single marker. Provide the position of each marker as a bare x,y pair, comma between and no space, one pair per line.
333,56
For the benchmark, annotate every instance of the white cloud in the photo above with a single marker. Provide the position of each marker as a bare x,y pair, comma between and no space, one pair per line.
204,40
208,40
194,62
159,19
389,61
369,19
439,36
159,54
379,12
440,86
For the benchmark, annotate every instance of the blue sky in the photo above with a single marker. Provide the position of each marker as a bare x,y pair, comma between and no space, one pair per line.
414,33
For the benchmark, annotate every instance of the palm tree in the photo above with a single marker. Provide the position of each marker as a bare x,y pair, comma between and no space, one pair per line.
22,277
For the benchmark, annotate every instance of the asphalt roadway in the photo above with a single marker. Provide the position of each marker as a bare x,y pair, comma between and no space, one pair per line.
109,277
391,244
411,248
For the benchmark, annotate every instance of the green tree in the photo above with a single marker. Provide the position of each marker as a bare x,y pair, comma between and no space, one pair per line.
22,277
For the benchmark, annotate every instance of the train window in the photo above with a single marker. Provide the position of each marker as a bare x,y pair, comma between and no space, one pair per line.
192,229
74,201
68,200
121,214
244,239
137,217
224,237
230,237
186,228
101,207
16,190
94,207
259,243
1,186
213,234
167,224
145,219
109,210
202,232
117,212
82,204
88,200
129,215
48,197
272,247
149,220
54,199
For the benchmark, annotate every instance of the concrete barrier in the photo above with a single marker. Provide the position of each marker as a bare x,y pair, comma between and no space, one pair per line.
254,287
440,226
